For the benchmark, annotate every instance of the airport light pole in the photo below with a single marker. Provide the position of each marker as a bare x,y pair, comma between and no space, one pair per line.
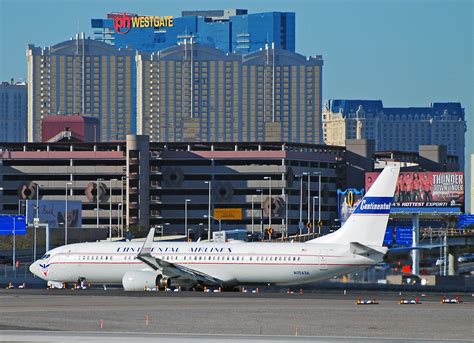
186,216
66,214
119,219
319,206
14,243
309,198
36,221
269,178
253,196
300,224
110,208
97,198
314,205
209,212
261,209
121,203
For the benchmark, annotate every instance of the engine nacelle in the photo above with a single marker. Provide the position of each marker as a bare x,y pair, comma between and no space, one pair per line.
142,280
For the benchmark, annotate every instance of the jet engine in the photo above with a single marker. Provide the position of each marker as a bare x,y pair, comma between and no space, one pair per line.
142,280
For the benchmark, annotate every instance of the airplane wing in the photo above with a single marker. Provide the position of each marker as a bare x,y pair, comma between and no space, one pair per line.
171,269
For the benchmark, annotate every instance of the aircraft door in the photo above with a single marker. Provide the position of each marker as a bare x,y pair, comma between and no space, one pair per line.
322,259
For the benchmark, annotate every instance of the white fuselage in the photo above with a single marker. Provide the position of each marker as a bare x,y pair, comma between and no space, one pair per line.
233,263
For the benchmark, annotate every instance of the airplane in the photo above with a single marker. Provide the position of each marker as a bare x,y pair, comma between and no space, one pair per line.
139,266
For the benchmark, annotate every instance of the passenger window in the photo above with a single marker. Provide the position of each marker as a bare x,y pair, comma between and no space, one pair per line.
111,257
294,258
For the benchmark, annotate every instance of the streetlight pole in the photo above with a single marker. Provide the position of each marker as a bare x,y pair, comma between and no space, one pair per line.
309,199
253,195
269,178
314,205
14,243
118,219
66,215
121,205
319,206
186,216
300,224
209,212
36,221
261,209
110,208
97,198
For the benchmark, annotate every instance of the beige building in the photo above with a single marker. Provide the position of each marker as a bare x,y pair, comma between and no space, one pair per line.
195,93
403,129
82,76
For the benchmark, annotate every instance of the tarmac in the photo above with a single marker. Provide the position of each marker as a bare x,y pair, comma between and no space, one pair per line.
324,316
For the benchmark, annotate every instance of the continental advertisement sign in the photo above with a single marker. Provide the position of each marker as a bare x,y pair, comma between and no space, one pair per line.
426,189
124,22
228,213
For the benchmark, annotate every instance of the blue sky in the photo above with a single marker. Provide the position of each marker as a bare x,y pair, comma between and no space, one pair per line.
405,52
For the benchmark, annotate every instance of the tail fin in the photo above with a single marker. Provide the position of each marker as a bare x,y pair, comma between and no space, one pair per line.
368,223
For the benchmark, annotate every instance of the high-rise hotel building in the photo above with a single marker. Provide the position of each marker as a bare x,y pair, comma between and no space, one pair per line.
193,92
13,101
396,128
82,76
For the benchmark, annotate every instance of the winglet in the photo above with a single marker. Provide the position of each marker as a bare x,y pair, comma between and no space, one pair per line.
146,248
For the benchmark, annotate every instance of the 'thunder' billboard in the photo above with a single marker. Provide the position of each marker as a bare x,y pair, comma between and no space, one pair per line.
426,189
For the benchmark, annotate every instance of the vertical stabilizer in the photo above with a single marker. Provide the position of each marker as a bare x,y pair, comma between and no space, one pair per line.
368,223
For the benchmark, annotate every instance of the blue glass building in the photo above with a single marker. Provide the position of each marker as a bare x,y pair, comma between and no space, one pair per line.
232,30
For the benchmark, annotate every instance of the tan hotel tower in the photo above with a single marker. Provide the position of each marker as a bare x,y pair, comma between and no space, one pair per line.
82,76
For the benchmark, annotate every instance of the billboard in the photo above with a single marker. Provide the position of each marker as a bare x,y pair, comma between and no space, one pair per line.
10,224
347,202
52,212
228,213
426,189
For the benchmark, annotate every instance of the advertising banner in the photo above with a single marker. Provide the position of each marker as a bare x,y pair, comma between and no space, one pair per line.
426,189
347,202
52,212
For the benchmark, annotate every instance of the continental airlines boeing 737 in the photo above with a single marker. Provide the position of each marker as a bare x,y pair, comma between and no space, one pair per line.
138,266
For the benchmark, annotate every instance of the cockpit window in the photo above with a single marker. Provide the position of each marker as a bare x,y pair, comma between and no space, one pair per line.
45,256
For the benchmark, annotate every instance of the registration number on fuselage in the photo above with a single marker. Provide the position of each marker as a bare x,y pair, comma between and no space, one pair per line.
300,272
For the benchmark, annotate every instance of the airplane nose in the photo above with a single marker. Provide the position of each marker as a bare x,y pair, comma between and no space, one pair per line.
34,268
